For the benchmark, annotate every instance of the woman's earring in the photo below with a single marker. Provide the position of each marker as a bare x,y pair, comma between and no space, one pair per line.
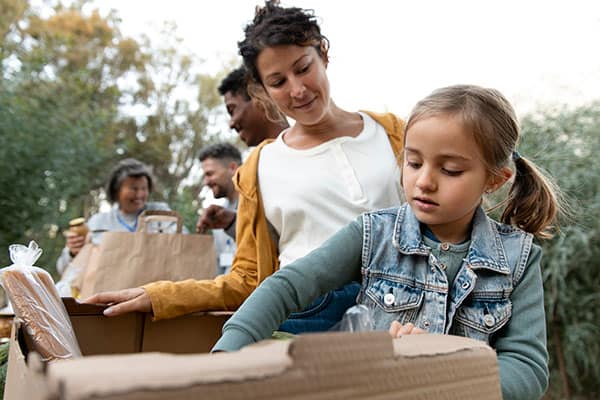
488,191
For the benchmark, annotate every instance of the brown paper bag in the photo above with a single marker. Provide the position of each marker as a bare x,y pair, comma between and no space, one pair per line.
126,260
72,277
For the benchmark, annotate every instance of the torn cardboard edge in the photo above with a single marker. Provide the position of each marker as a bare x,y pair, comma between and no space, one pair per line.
325,366
183,370
328,354
416,346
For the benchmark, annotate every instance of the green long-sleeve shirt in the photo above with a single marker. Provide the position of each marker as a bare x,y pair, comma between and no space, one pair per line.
522,355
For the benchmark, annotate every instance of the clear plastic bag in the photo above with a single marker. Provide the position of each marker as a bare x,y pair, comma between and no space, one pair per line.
358,318
37,303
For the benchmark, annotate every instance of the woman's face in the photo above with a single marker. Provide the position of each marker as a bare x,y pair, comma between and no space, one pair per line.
133,194
296,80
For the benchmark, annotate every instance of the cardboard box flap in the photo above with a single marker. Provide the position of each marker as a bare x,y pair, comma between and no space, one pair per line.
327,366
436,344
87,377
341,347
24,380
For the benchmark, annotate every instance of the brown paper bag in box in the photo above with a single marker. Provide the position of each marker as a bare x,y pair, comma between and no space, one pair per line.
126,259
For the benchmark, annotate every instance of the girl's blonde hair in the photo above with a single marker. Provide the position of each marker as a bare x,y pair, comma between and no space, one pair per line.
534,201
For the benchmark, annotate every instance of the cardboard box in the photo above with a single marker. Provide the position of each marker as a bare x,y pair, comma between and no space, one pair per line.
100,335
314,366
136,332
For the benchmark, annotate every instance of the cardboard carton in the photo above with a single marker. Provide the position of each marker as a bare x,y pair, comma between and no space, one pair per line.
136,332
100,335
313,366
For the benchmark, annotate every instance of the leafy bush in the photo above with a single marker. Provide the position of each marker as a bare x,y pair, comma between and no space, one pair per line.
566,143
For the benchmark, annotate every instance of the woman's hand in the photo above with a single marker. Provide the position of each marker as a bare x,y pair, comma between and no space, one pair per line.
74,242
397,329
122,301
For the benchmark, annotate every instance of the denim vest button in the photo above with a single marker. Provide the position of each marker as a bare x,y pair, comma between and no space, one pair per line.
443,266
488,320
389,299
465,285
445,246
426,324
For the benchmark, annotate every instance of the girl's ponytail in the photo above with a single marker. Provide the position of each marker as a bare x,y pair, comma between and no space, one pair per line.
533,202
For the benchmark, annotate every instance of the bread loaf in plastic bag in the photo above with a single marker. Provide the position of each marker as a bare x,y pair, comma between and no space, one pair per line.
36,302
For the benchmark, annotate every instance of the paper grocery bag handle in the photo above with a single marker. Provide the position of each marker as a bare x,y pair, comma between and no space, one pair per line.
158,215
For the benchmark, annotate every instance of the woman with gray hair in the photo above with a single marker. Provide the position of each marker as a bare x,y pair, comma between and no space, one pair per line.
129,185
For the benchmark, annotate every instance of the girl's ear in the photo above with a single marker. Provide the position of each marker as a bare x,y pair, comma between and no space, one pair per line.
497,180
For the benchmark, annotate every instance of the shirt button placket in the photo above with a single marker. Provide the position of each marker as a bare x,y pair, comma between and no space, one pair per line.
348,173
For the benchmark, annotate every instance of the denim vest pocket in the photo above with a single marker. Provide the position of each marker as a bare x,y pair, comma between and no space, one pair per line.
398,301
479,319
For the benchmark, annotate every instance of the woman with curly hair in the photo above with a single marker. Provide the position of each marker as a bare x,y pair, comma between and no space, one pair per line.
296,191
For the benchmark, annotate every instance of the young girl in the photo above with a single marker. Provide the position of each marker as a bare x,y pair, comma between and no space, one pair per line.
438,264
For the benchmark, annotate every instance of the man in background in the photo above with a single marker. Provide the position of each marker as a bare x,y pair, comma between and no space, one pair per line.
248,116
219,163
249,119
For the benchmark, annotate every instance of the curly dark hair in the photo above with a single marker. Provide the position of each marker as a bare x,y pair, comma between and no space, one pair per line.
235,82
274,25
221,151
129,167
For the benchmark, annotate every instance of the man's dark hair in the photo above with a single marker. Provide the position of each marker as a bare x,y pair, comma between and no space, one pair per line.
221,151
235,83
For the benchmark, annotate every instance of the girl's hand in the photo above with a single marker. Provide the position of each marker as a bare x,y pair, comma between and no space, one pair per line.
397,329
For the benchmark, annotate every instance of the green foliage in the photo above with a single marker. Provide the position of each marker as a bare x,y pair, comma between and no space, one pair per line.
186,204
75,97
56,104
566,143
176,107
49,155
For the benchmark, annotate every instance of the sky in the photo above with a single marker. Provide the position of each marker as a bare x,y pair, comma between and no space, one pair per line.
385,55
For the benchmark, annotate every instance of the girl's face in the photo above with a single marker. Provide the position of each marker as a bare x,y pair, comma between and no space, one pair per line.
295,78
443,176
133,194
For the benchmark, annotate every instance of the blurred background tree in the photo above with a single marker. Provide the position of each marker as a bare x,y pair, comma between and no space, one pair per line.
76,96
566,143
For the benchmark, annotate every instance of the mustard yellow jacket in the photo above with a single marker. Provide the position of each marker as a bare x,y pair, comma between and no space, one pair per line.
257,253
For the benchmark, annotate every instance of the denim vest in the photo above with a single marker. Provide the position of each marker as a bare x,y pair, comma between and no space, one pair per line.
402,281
